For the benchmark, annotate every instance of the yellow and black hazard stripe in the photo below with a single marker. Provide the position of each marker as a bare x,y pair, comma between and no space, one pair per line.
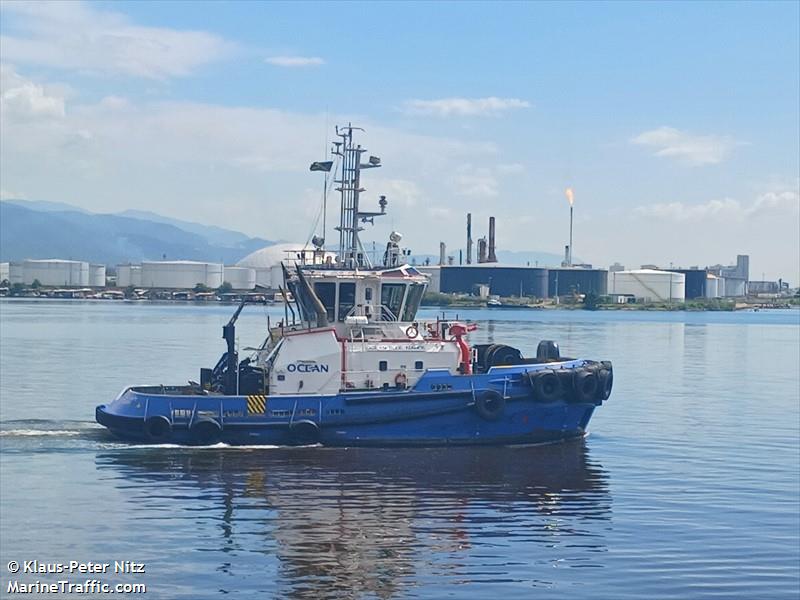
256,405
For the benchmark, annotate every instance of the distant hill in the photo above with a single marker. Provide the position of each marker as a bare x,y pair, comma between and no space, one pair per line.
46,230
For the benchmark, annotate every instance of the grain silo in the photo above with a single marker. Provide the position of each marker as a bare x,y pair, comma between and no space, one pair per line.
56,272
181,274
97,275
240,278
649,285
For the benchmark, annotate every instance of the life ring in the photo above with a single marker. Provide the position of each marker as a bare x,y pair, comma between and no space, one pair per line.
546,386
490,405
158,429
606,377
400,380
412,332
205,432
585,384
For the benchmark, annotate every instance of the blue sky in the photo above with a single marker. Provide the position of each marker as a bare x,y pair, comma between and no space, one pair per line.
677,124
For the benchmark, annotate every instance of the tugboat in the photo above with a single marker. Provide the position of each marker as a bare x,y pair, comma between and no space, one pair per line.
353,366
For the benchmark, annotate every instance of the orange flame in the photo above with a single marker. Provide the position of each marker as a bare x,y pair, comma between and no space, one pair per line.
570,196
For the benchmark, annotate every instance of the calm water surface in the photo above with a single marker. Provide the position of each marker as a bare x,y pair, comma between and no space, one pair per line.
687,487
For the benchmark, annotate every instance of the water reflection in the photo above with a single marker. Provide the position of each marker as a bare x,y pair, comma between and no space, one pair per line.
370,521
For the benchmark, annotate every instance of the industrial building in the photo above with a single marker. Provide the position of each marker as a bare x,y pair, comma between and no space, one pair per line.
649,285
181,274
4,271
735,276
502,280
567,281
240,278
696,283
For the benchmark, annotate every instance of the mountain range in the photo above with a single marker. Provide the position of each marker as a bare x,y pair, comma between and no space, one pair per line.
30,229
40,229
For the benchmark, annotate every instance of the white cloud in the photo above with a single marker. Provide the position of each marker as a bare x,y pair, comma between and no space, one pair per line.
773,202
463,107
686,147
294,61
475,182
75,35
22,98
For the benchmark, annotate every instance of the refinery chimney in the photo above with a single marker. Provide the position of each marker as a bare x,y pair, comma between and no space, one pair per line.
492,255
469,238
442,253
482,250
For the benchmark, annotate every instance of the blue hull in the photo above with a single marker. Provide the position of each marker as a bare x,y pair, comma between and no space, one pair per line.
500,407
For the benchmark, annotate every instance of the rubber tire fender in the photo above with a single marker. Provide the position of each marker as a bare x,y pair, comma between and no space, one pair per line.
585,385
606,377
304,433
158,429
490,405
205,432
546,386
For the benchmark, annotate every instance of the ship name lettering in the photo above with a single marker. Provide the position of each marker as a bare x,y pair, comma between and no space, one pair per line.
306,368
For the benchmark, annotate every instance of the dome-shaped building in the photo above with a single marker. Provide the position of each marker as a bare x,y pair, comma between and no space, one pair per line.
267,261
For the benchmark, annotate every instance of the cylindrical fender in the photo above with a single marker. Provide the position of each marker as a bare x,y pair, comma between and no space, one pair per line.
205,432
158,429
606,377
546,386
490,404
585,384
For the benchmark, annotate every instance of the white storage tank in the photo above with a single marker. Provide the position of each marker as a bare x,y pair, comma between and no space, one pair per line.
240,278
15,273
267,261
97,275
129,275
649,285
4,271
56,272
712,286
181,274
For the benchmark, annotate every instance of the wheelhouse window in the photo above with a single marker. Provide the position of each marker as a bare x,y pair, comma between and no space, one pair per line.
326,292
415,292
347,299
392,300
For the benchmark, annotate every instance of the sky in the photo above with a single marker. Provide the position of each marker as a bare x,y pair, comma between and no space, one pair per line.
676,124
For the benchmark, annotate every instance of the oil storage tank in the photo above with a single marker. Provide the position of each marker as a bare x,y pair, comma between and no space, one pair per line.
649,285
181,274
129,275
56,272
240,278
97,275
566,281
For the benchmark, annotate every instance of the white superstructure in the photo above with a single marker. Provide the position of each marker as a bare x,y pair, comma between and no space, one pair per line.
181,274
649,285
266,262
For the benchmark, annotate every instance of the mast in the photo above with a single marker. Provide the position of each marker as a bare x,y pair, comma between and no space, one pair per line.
351,253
